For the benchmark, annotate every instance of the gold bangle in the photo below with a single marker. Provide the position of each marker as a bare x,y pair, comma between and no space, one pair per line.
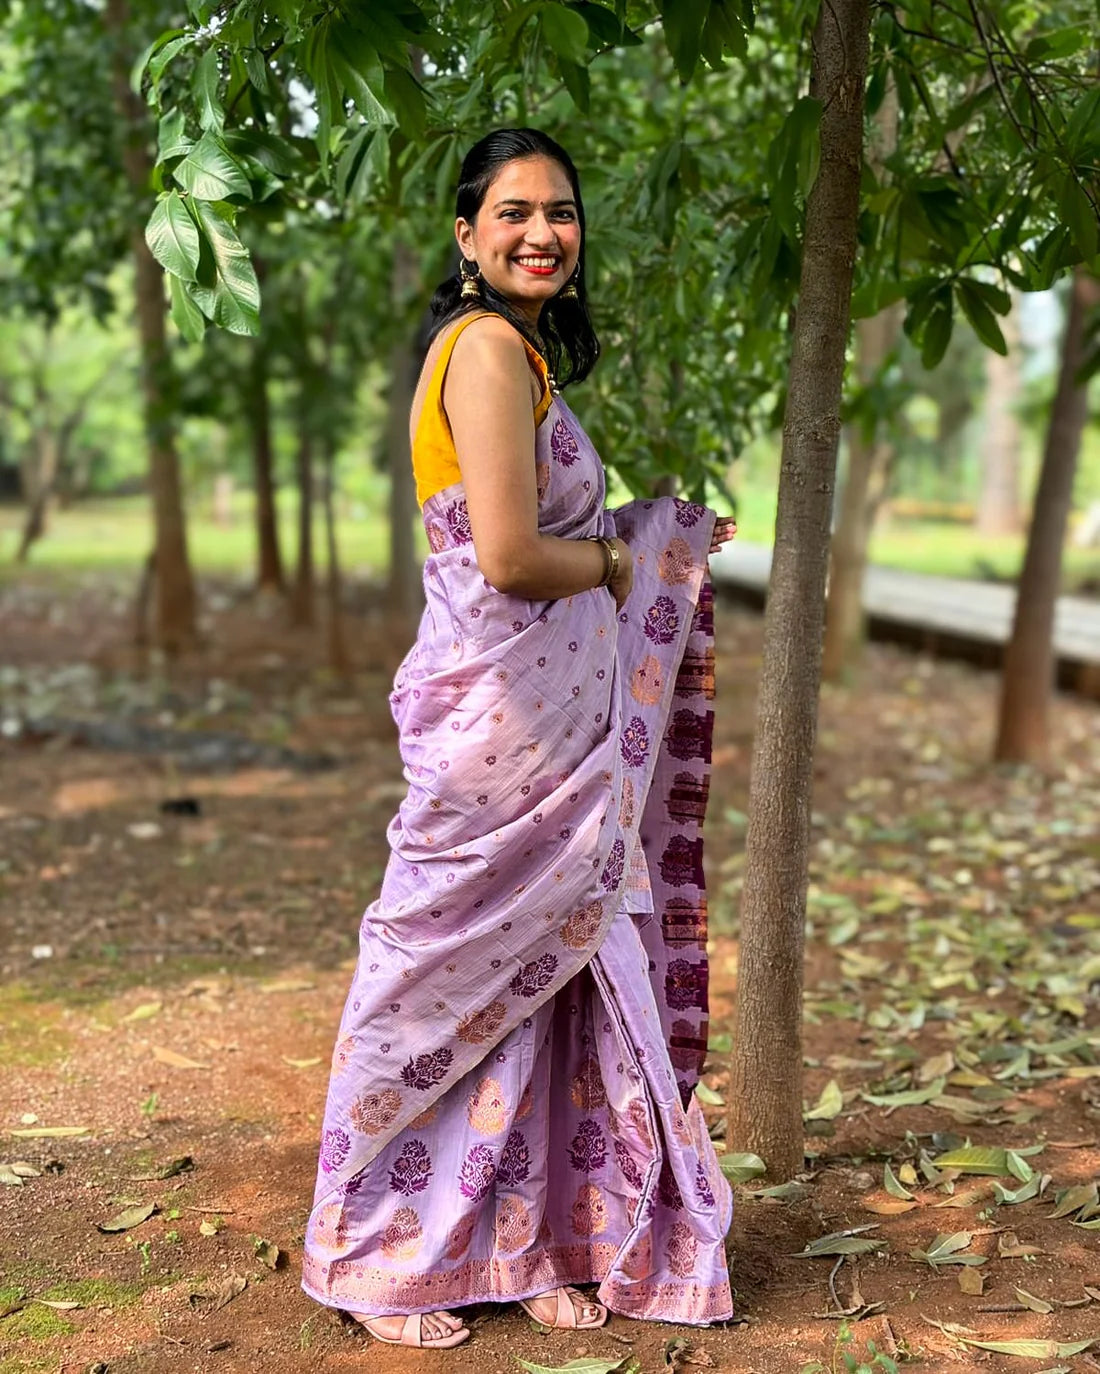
609,556
613,554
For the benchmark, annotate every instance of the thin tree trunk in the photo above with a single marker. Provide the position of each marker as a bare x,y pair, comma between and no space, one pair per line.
269,568
175,590
864,486
766,1099
868,454
999,499
404,593
338,659
40,490
301,605
1028,678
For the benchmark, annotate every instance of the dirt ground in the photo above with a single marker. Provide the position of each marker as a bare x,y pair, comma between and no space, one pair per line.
172,982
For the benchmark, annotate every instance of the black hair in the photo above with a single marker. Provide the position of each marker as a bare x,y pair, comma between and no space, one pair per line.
568,340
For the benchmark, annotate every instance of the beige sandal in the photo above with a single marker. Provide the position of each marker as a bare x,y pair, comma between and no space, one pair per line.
412,1333
566,1318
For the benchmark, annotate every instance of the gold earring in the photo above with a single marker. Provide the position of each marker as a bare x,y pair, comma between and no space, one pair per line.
569,290
471,281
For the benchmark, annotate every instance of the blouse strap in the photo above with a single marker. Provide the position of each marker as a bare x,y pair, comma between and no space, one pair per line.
534,359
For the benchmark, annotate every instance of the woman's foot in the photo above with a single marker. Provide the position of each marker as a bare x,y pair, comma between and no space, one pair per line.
438,1330
565,1308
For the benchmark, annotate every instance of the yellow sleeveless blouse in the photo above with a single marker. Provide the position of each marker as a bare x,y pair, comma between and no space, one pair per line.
434,460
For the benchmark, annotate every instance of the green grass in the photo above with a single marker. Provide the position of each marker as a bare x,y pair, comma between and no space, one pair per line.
114,536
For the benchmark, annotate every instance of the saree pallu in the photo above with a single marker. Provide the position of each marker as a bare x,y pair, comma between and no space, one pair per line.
512,1103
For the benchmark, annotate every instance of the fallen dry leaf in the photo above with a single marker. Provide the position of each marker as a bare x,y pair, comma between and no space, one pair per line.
174,1060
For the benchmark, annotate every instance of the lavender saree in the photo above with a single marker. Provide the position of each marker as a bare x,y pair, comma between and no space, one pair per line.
511,1104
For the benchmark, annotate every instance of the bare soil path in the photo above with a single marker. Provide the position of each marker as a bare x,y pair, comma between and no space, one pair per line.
172,981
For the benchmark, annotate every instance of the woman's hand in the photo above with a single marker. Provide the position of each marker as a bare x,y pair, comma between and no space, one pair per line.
725,527
623,581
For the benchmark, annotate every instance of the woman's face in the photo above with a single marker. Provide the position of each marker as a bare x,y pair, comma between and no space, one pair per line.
527,237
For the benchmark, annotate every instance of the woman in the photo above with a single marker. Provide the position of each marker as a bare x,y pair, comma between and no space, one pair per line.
511,1109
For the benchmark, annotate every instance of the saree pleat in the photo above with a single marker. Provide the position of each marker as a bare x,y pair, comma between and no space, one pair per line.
511,1105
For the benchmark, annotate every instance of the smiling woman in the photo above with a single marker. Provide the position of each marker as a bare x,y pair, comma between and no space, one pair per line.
511,1110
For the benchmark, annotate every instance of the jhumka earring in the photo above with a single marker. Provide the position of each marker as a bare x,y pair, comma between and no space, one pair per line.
569,290
471,281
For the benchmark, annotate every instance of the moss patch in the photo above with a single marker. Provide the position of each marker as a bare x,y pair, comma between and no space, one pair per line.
33,1033
36,1323
94,1292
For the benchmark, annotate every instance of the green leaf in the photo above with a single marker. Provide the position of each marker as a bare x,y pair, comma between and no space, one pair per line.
137,71
982,319
186,315
976,1159
1073,1199
945,1250
739,1168
829,1105
235,271
893,1187
840,1244
683,22
937,333
913,1097
708,1097
1080,215
565,32
1018,1167
1006,1197
158,63
173,238
172,141
210,173
407,99
204,86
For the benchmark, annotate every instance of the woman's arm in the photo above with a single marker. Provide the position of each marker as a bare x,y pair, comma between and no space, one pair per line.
487,399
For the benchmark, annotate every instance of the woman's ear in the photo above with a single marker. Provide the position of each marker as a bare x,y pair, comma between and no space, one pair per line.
464,234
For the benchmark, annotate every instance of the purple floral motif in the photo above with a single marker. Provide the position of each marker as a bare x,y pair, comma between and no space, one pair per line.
702,1187
563,446
334,1149
689,734
686,985
634,745
630,1171
457,516
588,1149
515,1161
534,976
662,621
478,1171
354,1184
668,1190
682,862
413,1169
612,874
425,1070
688,513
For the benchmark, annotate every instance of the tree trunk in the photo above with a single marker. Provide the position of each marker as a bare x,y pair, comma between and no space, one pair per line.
999,499
1028,677
404,592
269,569
338,659
39,490
175,590
868,455
864,486
766,1100
301,604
